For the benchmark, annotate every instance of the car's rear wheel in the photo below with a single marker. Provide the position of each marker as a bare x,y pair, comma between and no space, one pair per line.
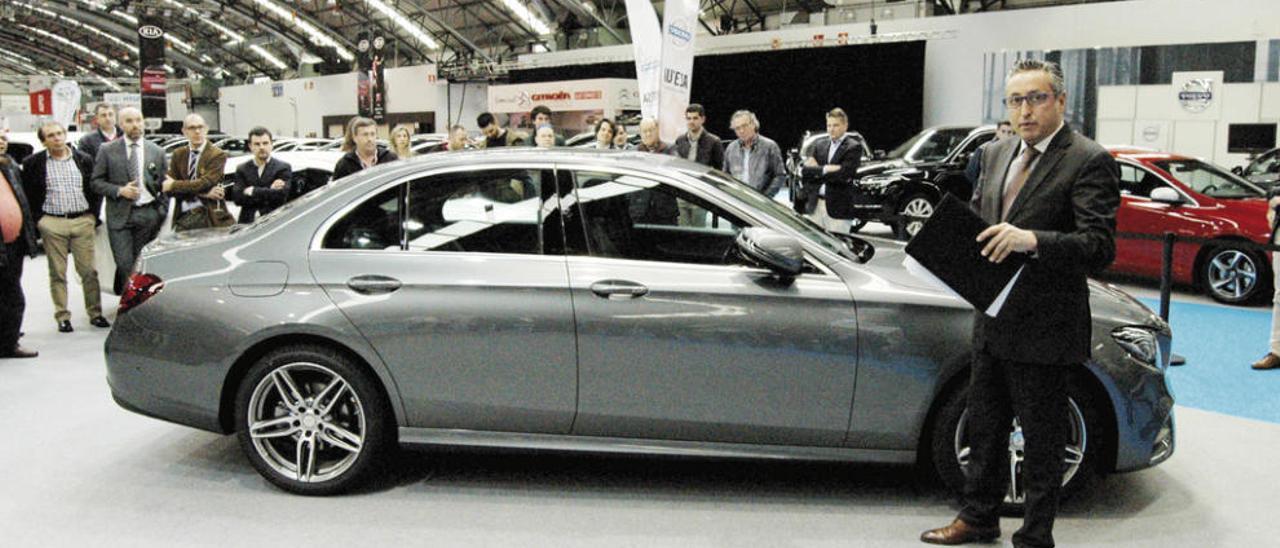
311,420
915,210
950,446
1233,275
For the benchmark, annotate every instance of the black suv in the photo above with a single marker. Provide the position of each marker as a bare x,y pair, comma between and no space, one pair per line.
903,189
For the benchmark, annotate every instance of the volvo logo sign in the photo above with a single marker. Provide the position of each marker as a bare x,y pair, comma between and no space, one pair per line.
150,31
679,32
1196,95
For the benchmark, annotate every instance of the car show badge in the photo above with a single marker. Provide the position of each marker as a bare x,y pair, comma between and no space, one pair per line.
1196,95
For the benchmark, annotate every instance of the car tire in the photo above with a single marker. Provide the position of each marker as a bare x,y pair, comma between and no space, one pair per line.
947,445
312,421
913,212
1232,274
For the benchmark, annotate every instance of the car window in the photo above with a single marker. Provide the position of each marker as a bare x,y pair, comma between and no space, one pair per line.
629,217
937,144
1138,182
374,224
976,142
494,211
1268,163
1209,180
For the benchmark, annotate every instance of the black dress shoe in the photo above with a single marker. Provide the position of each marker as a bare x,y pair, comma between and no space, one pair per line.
99,321
65,326
20,352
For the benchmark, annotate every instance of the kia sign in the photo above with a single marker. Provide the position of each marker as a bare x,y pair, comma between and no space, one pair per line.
151,32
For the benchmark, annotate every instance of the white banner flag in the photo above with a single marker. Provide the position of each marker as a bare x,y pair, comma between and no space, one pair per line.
646,40
66,101
678,20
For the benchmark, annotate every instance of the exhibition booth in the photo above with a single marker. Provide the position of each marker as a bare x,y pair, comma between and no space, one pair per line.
576,105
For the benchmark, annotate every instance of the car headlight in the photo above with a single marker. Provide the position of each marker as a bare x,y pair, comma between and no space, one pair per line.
875,182
1140,343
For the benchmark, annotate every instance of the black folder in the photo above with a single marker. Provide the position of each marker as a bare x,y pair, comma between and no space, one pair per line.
947,247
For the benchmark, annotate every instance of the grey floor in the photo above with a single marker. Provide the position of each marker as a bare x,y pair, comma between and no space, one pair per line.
75,469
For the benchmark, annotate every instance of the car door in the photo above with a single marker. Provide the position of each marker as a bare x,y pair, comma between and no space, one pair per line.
679,340
458,280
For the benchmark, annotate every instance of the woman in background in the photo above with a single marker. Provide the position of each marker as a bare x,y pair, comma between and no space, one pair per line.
401,139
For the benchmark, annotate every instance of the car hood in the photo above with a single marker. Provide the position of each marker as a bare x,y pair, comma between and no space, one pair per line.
880,166
1108,304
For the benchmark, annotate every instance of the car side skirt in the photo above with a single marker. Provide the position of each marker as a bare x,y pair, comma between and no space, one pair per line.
553,442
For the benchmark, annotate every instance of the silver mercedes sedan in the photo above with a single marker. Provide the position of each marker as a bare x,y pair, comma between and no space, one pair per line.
583,300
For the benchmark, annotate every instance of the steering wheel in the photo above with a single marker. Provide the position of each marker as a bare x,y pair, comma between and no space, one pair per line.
1208,189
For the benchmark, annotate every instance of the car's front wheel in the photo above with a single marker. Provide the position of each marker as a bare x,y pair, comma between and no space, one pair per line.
951,451
311,420
915,210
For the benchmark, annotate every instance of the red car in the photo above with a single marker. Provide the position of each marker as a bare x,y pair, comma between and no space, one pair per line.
1163,192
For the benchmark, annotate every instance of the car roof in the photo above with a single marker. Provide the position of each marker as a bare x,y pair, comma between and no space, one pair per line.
1141,153
297,159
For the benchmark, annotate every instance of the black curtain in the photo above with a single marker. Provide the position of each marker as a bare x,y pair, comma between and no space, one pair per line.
880,86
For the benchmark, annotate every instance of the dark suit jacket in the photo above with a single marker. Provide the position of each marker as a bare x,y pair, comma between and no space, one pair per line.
111,173
350,162
264,198
1070,202
839,185
27,239
90,143
710,150
35,181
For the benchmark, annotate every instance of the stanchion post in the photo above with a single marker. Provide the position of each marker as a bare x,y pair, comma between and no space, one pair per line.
1166,274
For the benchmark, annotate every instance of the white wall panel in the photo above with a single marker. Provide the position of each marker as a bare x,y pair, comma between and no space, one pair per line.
1115,132
1194,138
1117,102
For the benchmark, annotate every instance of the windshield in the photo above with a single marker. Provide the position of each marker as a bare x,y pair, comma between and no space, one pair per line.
1268,163
807,228
1209,180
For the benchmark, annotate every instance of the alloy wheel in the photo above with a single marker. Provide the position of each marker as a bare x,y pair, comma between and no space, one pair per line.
306,422
916,211
1073,457
1232,274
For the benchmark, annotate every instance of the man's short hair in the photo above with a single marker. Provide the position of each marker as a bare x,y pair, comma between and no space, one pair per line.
40,130
128,111
456,128
103,106
696,109
1003,123
838,113
748,115
259,131
484,119
540,109
1056,81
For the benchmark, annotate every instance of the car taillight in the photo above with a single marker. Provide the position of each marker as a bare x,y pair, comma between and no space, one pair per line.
141,287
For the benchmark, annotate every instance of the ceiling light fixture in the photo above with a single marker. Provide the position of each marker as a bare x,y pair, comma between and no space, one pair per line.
314,34
268,57
522,13
404,23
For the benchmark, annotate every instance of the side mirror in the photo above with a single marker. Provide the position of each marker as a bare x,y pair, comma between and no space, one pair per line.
1237,170
1166,195
776,251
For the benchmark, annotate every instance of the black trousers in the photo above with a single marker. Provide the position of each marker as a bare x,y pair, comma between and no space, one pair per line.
1036,393
12,302
127,242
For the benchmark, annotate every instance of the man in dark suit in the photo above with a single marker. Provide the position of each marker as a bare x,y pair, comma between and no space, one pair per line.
56,181
127,174
17,241
194,173
105,115
697,145
832,172
1053,194
974,167
262,184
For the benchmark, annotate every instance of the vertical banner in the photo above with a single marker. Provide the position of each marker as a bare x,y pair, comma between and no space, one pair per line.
151,64
646,40
678,20
66,102
40,92
377,85
364,95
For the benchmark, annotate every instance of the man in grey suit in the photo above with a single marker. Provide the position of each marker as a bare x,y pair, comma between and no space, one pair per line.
1050,193
127,173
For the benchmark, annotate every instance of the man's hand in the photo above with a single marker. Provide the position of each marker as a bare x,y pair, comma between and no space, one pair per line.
130,191
1271,210
810,162
278,184
248,191
830,168
1005,239
167,185
215,193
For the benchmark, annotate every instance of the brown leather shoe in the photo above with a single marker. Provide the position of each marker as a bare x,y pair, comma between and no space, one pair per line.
960,532
1270,361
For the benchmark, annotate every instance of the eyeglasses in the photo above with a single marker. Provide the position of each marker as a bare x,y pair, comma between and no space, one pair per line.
1034,99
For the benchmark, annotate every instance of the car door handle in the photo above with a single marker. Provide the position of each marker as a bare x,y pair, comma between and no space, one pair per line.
618,288
372,284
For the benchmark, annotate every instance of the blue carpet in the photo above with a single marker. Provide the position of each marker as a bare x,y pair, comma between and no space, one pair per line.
1219,343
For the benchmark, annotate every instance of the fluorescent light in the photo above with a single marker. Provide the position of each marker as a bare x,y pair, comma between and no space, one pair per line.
314,34
522,13
109,83
268,57
404,23
233,36
78,47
